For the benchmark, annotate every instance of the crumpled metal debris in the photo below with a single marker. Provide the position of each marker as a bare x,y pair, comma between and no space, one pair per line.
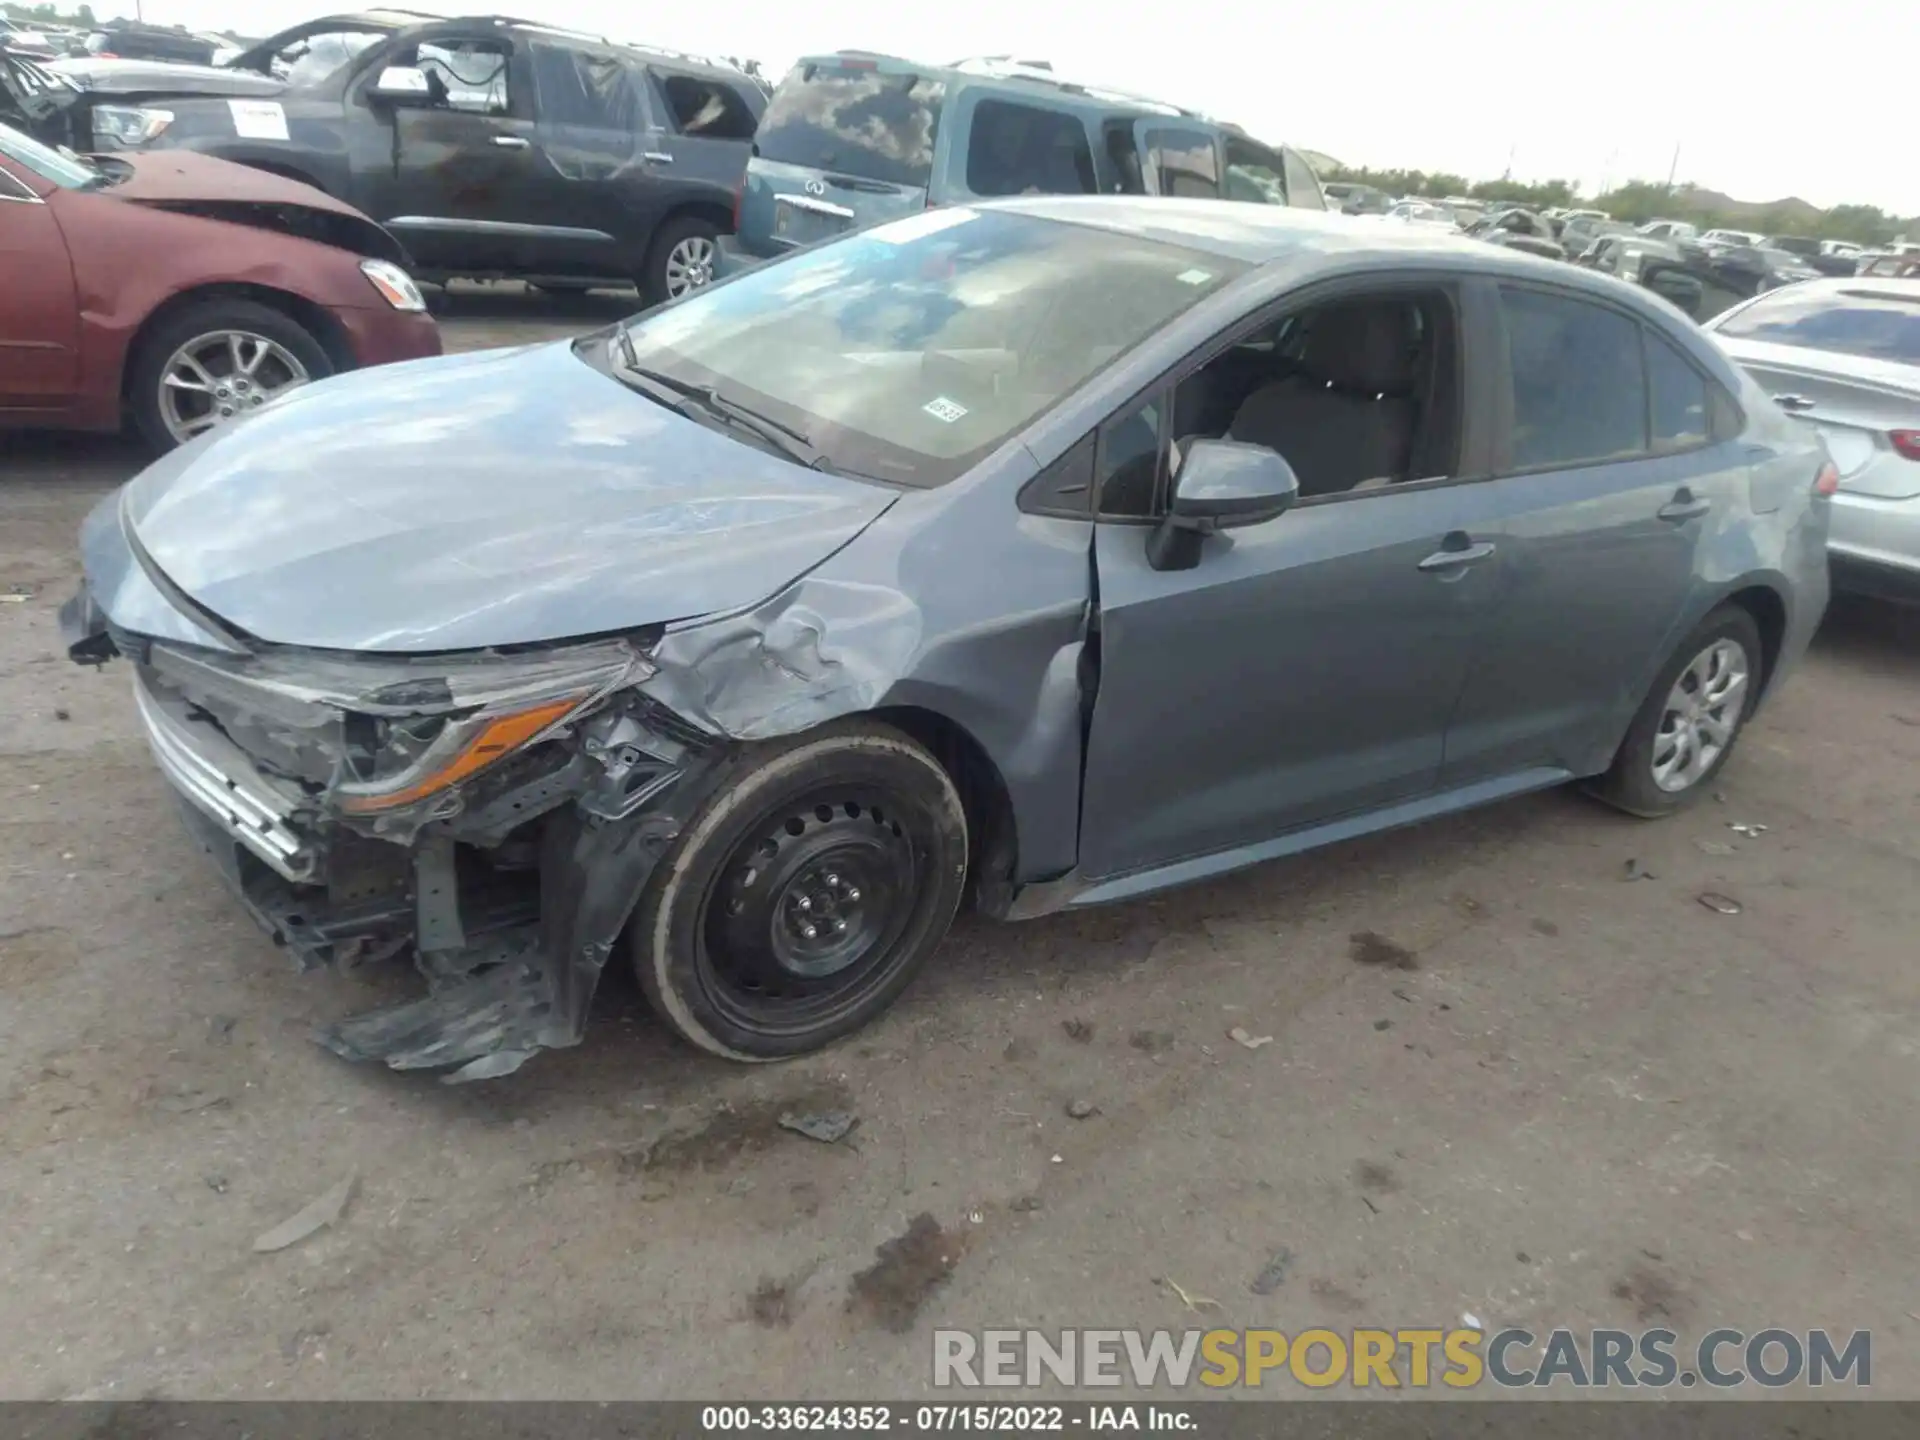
1720,904
829,1128
1252,1042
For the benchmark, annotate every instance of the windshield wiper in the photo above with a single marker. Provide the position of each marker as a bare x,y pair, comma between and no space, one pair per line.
690,399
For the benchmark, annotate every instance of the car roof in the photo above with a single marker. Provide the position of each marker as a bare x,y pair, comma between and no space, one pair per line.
1880,287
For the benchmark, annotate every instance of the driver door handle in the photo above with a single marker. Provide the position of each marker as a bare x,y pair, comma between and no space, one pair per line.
510,142
1450,558
1794,404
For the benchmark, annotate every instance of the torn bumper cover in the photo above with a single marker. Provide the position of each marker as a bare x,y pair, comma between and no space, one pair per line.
496,816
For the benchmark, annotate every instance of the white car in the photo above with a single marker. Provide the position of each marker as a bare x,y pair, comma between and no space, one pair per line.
1844,357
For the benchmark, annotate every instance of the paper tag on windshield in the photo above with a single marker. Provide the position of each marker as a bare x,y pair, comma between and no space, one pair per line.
915,227
942,408
258,119
1194,277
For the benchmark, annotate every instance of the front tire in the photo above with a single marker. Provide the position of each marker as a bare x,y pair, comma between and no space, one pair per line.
804,895
213,363
1693,714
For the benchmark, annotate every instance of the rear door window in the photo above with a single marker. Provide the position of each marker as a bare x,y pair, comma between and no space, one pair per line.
1183,162
1678,398
1015,149
1255,174
1579,382
854,122
710,109
587,91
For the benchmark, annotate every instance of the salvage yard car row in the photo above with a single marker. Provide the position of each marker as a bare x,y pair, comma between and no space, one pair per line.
955,550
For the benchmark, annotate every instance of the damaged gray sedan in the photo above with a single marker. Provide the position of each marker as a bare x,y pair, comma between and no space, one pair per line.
1036,555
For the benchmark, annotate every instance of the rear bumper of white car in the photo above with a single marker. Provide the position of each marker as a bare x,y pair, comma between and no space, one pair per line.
1874,546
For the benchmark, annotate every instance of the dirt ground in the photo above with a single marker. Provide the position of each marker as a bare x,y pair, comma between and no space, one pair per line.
1566,1097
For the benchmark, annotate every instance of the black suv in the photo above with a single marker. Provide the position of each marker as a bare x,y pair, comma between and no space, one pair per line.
491,147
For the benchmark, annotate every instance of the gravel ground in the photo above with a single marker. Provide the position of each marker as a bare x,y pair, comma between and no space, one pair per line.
1567,1098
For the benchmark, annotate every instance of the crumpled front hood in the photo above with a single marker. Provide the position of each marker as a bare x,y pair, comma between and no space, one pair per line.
502,498
161,77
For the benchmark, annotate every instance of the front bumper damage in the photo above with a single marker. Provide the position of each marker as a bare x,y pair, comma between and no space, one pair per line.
510,890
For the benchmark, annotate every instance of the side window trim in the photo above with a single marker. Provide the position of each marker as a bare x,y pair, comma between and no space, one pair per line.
1475,464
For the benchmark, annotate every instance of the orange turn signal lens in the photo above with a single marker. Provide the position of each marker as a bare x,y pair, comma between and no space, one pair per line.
499,738
1827,482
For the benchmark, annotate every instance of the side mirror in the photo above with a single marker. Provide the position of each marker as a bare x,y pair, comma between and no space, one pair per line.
402,85
1219,485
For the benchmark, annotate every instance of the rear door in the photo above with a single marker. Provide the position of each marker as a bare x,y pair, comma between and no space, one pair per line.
595,190
843,144
39,323
1620,458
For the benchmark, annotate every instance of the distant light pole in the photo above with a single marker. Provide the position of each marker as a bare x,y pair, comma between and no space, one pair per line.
1674,168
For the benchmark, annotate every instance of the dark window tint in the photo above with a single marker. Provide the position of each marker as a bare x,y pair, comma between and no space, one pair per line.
710,109
1579,386
1184,163
1023,149
594,92
1128,466
1303,187
1679,397
1871,323
855,122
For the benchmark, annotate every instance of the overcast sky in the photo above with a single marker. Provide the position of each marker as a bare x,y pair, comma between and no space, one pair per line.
1763,101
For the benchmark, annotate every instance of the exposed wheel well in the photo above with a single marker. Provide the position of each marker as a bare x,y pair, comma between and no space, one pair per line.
312,318
991,851
1769,614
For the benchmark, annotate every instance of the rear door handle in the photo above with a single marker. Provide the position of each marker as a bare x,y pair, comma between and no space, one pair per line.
1794,403
1457,559
510,142
1683,507
658,157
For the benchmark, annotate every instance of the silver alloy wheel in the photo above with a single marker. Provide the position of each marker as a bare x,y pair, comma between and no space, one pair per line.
1702,711
689,265
217,377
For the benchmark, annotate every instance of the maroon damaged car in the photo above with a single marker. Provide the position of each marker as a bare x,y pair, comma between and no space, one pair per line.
183,291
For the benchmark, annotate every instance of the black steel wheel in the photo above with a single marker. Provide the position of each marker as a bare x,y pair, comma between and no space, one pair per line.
805,894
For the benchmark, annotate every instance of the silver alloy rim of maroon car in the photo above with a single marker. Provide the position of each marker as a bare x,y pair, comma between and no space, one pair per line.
216,378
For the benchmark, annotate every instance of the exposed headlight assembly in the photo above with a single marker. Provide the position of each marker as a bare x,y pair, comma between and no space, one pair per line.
411,729
127,127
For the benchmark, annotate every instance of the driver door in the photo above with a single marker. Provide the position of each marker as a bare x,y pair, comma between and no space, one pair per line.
1304,669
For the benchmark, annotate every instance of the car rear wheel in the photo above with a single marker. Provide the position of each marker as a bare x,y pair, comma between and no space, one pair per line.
803,897
1686,727
680,259
215,362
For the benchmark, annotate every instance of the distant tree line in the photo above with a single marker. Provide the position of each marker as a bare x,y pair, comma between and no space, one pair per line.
1638,201
80,19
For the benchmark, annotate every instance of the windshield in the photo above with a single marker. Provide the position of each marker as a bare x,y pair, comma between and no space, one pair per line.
909,352
312,60
69,172
1872,324
854,122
